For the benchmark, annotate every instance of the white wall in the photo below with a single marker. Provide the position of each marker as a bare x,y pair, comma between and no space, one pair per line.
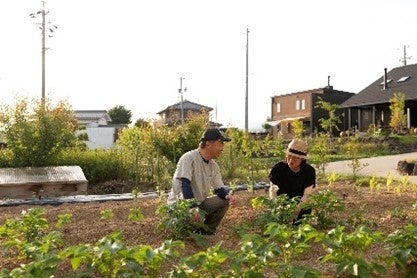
100,137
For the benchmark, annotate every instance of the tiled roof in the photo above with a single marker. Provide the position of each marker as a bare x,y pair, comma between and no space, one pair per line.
91,115
376,94
186,105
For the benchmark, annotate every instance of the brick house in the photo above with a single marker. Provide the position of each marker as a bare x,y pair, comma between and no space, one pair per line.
371,105
302,106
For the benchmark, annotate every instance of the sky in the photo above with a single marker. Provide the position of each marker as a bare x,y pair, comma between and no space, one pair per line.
133,53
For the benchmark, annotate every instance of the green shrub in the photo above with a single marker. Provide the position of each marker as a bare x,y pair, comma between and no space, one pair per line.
36,132
403,245
97,165
348,251
279,210
407,140
323,204
176,221
6,158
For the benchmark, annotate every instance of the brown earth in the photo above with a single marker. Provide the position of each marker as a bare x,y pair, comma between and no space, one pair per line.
86,227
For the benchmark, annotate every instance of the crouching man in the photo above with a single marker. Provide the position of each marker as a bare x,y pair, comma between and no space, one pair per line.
197,173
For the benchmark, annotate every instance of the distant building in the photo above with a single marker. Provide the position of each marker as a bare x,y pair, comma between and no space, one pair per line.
172,115
371,105
303,106
95,123
92,117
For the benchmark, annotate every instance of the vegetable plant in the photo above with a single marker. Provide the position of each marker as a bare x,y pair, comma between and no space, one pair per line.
348,250
176,222
403,246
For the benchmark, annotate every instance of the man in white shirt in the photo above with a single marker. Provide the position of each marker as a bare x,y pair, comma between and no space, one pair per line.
197,173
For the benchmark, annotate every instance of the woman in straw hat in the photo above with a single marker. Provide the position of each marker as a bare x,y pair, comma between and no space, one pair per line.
294,176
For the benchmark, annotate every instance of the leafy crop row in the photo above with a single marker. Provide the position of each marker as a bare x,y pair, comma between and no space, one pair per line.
271,246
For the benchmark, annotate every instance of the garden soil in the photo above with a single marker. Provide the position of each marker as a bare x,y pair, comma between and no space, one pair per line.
376,206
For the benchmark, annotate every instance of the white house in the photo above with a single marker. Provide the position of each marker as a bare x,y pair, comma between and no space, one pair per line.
100,134
92,117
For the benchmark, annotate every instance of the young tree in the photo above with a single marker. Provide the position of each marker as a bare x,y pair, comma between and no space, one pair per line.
172,142
120,115
37,135
398,117
331,123
298,127
319,153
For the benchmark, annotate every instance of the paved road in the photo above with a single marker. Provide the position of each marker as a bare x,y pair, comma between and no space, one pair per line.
377,166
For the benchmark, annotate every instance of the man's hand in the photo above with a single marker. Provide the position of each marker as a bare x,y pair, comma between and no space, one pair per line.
195,216
297,212
231,199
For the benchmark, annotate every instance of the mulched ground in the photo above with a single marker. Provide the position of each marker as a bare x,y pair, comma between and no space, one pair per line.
87,227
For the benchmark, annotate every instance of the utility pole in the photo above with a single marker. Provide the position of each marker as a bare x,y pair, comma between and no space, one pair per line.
43,53
181,91
247,81
51,29
405,58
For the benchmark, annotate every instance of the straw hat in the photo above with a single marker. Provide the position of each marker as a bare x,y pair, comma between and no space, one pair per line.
297,148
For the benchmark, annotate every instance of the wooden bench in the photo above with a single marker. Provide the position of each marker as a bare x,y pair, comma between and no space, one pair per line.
38,182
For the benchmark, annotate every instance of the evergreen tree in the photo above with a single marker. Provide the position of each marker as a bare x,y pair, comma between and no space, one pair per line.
120,115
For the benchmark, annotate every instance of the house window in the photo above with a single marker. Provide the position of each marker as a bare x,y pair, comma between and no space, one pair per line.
297,104
278,107
303,104
404,78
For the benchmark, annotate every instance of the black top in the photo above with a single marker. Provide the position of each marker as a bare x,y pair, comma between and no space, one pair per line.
291,183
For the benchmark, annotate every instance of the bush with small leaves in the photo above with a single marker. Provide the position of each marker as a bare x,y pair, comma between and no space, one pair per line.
280,209
176,221
403,245
274,252
210,263
110,257
135,215
63,219
323,204
348,251
106,214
